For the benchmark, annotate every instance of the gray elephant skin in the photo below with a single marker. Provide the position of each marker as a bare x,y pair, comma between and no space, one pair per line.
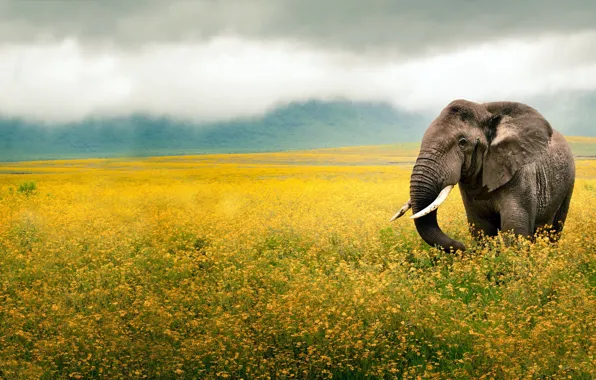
515,172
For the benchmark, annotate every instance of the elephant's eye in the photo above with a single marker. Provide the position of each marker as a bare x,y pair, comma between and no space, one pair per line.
462,142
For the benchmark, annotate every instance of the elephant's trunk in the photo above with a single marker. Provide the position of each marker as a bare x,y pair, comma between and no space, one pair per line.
425,186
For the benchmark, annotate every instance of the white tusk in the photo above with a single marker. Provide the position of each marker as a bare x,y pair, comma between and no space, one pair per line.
402,210
436,203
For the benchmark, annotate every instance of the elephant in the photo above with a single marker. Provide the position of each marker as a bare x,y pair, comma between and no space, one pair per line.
515,172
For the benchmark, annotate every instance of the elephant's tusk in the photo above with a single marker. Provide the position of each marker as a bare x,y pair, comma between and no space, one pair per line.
402,210
436,203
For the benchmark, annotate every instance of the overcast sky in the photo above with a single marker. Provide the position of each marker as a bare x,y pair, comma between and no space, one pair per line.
211,60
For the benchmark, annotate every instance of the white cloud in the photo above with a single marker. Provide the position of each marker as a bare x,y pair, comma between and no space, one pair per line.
59,82
230,76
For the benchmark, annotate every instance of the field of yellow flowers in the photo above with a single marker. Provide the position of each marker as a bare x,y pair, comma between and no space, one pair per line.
277,265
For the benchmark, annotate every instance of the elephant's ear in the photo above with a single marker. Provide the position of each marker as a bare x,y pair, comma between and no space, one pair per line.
517,135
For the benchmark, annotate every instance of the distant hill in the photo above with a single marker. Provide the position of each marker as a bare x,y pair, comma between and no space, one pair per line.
307,125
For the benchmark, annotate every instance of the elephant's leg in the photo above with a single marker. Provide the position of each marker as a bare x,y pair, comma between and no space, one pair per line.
517,205
481,220
517,220
560,217
487,225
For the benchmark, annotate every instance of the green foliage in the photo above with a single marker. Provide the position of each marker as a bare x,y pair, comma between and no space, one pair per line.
27,188
277,310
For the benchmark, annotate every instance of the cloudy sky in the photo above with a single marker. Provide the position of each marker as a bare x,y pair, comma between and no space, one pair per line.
212,60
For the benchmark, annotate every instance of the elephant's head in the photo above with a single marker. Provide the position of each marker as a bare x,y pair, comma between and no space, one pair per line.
479,146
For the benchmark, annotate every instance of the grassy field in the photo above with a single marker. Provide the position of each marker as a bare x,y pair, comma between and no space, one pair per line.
279,265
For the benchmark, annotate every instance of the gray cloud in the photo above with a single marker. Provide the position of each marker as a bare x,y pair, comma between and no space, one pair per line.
229,76
62,61
376,25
